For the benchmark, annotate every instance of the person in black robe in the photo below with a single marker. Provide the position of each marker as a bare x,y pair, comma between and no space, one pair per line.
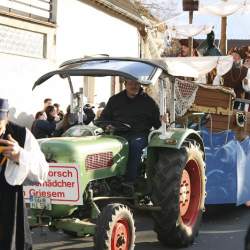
208,47
234,77
20,158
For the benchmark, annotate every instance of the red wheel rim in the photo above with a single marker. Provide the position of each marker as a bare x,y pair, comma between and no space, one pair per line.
120,239
185,192
190,193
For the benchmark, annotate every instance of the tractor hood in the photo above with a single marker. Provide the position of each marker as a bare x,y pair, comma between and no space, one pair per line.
76,149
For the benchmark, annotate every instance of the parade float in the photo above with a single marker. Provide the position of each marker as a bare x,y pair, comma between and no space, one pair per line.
204,103
84,194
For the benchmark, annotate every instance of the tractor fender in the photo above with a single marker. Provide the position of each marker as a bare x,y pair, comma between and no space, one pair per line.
176,138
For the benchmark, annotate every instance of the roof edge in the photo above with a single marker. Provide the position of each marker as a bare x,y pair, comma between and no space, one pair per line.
122,12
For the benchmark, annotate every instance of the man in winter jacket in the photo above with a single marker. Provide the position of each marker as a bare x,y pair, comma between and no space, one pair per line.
140,112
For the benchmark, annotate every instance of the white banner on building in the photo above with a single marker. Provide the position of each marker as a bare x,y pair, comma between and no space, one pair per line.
63,186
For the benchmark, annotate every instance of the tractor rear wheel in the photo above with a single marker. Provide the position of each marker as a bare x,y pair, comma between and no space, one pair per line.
178,187
115,228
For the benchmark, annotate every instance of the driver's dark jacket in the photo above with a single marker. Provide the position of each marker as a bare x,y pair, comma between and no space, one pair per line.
141,112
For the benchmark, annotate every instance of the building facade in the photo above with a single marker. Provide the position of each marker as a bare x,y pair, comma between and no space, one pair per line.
37,35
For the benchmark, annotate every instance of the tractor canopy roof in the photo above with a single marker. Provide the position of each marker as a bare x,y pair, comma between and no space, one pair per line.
143,71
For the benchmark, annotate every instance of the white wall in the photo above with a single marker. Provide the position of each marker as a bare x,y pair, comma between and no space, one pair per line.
81,30
18,74
84,30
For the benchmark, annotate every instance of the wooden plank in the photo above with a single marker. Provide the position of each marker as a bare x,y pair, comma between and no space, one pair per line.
223,99
208,100
213,98
212,92
220,123
213,103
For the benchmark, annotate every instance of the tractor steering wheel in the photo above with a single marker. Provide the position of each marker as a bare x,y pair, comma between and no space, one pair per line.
113,126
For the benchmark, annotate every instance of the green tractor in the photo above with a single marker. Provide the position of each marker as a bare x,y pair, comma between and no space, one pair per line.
84,194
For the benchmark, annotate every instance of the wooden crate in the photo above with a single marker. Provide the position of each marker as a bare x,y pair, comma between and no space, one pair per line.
213,100
218,101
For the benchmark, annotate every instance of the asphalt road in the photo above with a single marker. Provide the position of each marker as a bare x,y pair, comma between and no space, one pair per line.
223,228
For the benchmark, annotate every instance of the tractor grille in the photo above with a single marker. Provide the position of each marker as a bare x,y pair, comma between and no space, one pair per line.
100,160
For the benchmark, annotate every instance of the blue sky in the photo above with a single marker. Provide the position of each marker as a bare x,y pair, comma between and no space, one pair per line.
238,24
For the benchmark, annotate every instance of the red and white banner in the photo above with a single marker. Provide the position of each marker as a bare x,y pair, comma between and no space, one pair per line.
63,185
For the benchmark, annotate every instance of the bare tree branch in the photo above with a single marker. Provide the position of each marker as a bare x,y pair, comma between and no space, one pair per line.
161,9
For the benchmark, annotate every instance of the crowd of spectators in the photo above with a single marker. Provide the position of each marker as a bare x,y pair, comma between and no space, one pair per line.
52,121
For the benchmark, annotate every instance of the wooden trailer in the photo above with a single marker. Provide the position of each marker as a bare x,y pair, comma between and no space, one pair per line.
225,112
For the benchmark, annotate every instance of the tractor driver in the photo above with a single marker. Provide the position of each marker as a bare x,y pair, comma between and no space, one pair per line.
134,107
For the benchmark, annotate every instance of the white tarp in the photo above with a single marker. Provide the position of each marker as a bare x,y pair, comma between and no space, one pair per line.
198,66
247,7
207,15
223,8
188,30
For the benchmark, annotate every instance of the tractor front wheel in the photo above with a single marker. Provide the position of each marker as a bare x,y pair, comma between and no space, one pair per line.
115,228
178,187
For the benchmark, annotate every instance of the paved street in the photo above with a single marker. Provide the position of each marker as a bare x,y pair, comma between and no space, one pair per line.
223,227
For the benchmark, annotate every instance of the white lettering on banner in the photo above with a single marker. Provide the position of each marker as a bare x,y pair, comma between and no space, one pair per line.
63,185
